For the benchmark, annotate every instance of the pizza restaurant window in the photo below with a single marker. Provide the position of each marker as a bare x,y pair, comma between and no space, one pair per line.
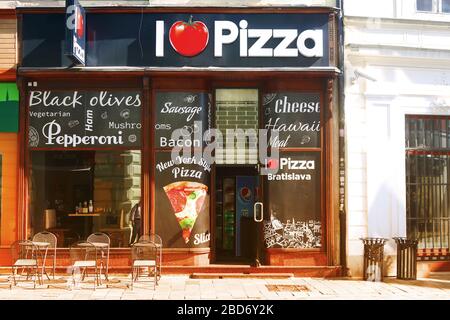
182,181
76,193
85,164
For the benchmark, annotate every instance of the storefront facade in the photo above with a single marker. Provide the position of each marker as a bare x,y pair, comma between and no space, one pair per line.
102,137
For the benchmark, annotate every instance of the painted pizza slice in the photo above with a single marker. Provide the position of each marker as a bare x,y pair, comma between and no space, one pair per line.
187,199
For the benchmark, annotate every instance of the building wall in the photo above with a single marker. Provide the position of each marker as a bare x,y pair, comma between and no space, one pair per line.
8,31
398,9
8,152
8,132
397,63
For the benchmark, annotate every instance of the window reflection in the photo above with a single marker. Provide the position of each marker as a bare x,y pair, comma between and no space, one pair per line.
424,5
76,193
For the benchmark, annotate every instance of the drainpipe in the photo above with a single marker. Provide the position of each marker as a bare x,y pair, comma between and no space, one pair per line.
342,156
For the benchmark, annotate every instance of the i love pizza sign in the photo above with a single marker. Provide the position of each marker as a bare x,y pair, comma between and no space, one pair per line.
284,39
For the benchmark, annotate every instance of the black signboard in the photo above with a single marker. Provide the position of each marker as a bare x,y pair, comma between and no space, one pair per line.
188,111
84,119
296,117
227,40
75,42
182,189
295,202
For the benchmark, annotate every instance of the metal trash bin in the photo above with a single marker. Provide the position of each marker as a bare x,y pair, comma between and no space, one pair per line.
406,258
373,258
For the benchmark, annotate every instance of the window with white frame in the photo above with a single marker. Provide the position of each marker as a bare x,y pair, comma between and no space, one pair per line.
433,6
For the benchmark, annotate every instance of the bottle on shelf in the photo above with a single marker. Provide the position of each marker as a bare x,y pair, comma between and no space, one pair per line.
91,207
85,207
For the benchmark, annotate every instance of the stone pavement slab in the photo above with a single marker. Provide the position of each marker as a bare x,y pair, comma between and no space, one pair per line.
181,287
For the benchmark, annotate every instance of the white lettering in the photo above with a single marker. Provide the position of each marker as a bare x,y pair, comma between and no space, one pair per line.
317,37
227,32
190,111
297,164
263,36
47,99
164,142
288,36
186,173
243,38
221,38
52,130
159,38
200,238
284,106
89,126
289,177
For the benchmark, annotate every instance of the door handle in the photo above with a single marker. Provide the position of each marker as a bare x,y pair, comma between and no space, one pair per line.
262,211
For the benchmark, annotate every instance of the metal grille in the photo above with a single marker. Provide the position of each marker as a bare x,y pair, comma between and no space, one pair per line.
427,184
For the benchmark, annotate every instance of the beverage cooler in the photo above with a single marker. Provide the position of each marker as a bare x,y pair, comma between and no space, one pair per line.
235,230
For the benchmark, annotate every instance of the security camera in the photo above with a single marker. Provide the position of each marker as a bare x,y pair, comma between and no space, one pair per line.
358,74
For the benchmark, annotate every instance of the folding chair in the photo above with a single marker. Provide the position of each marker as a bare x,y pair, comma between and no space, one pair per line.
144,255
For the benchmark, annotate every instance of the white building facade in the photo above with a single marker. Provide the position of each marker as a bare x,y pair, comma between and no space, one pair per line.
397,111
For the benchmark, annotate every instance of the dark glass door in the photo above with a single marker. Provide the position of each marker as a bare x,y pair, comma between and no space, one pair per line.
237,191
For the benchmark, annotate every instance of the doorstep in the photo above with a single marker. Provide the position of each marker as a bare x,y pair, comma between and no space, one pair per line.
241,275
223,269
237,270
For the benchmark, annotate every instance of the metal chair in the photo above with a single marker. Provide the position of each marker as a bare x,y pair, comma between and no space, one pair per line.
70,237
157,240
116,238
144,255
99,239
25,255
152,237
84,256
50,238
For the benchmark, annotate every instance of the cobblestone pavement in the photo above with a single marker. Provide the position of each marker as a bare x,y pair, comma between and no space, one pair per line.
181,287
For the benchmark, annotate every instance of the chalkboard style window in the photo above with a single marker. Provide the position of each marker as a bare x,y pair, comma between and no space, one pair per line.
296,117
295,202
85,163
428,182
84,119
76,193
182,183
182,195
190,112
295,190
